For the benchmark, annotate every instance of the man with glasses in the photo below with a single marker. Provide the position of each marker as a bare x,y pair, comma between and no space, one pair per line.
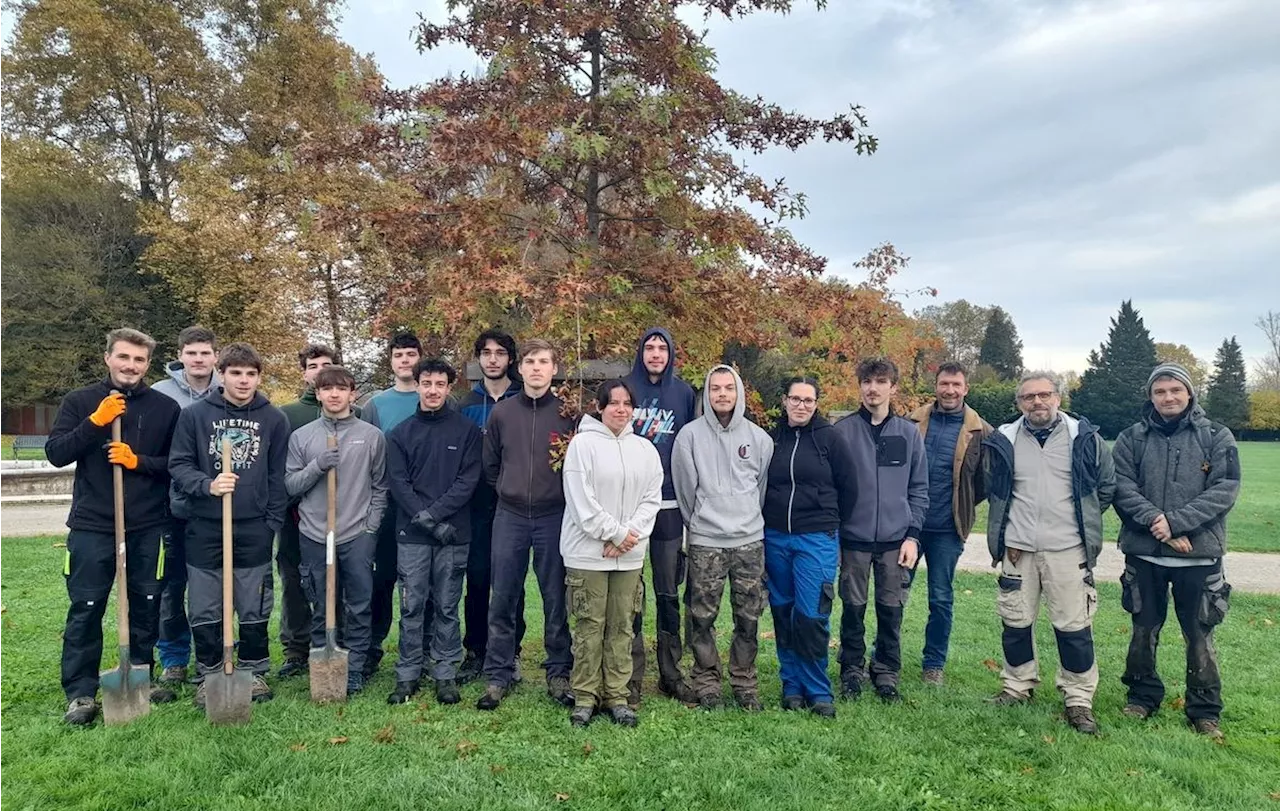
1049,478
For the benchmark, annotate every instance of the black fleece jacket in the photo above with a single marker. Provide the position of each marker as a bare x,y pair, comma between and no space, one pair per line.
146,427
517,454
811,479
433,464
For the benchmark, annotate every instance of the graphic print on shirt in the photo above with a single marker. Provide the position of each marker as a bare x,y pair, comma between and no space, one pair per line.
658,425
246,442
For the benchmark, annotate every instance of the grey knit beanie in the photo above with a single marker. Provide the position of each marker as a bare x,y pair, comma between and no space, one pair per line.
1174,370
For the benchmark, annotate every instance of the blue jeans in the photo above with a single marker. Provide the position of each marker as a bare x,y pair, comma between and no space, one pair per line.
941,551
800,573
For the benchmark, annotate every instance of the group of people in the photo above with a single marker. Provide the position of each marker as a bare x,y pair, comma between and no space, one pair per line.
444,497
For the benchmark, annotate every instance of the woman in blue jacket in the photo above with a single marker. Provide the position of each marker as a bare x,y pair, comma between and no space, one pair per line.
810,493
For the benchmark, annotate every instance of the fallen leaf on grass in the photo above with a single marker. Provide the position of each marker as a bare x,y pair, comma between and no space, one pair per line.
341,711
1275,795
1178,703
300,746
1133,772
1027,770
968,591
587,749
833,644
1267,622
496,768
767,635
561,796
338,740
59,546
991,664
465,748
1049,739
386,735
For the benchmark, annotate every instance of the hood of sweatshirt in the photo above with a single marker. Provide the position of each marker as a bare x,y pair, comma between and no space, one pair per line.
178,374
638,370
591,424
739,408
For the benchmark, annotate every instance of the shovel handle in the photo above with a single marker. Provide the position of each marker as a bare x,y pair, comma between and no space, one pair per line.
122,580
330,553
228,638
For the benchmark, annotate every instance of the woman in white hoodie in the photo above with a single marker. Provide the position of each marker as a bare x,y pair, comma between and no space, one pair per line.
613,491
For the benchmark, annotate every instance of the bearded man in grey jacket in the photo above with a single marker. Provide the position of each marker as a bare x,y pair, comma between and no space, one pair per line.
719,467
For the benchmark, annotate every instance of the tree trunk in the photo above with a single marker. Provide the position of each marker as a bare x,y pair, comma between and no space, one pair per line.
331,302
593,172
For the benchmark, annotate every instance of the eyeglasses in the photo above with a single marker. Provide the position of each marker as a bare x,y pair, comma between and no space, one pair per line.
808,402
1032,396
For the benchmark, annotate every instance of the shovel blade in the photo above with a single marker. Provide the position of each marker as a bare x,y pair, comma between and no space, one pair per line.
228,697
126,693
328,668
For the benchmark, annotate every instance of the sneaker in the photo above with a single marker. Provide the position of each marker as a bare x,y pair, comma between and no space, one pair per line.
1005,698
680,691
173,674
1208,727
559,690
823,709
162,695
81,711
932,675
888,693
624,716
1081,720
447,691
493,695
850,688
710,701
1136,711
199,698
371,663
404,691
792,703
261,690
472,668
581,716
293,666
748,701
355,683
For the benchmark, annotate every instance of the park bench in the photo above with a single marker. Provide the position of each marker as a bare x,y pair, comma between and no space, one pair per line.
28,442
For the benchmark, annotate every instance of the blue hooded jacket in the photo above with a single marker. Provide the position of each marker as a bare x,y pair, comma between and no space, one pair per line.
662,408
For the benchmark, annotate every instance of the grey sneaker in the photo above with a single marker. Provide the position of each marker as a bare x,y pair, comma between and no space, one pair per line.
174,674
1081,720
81,711
261,690
624,716
932,675
581,716
1136,711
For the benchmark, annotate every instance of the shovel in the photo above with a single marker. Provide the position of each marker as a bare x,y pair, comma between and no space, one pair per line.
126,688
228,690
328,665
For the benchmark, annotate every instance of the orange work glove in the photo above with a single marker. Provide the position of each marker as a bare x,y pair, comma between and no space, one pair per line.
118,453
111,407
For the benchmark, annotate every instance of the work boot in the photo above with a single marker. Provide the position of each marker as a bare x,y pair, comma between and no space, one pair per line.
472,668
199,697
680,691
635,690
174,674
581,716
932,675
1081,720
161,694
1207,727
748,701
823,709
261,690
404,691
850,688
888,693
371,662
1005,698
447,691
81,711
624,716
792,703
355,683
493,695
710,701
1136,711
559,690
293,666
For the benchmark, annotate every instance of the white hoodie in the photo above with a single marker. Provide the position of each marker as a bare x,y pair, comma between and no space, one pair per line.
612,484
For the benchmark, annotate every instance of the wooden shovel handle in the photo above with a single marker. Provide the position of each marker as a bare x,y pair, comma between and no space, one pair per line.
330,552
228,638
122,580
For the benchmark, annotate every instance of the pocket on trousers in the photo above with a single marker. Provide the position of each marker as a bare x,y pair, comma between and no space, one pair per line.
1130,596
1214,600
1010,601
577,594
825,599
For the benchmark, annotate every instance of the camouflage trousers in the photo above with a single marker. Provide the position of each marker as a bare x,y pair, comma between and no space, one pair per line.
709,567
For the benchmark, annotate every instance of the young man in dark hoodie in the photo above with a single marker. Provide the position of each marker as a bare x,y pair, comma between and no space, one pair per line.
295,611
433,466
81,434
664,405
521,465
191,377
254,476
883,533
495,352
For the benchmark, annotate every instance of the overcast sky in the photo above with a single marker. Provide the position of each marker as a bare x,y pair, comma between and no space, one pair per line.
1050,157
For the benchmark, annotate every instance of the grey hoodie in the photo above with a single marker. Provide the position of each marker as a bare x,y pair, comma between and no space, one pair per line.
720,474
362,477
176,387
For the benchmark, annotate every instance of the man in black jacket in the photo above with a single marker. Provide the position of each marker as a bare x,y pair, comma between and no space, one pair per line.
81,433
433,467
523,451
254,475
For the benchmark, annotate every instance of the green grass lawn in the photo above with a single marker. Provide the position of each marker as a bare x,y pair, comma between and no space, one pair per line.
1254,524
6,449
942,748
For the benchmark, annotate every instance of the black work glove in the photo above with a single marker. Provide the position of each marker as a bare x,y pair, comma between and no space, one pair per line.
446,533
425,521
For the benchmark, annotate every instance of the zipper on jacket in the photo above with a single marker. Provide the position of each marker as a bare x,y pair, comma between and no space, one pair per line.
792,500
533,435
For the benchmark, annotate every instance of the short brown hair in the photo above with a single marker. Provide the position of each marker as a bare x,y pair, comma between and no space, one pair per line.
312,351
130,336
196,334
951,367
872,368
537,345
331,376
239,354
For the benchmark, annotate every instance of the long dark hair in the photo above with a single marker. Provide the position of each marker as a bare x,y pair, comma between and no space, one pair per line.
606,391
